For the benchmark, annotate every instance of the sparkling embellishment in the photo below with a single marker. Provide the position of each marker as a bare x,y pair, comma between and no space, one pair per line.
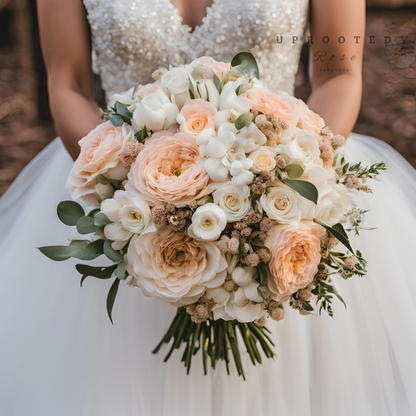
131,39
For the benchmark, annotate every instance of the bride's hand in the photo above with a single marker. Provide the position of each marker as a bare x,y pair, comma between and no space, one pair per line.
337,64
66,49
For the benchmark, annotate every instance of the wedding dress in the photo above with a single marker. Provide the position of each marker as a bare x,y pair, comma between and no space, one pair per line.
59,353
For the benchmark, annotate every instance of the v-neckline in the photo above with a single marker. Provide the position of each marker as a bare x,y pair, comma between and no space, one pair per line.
189,29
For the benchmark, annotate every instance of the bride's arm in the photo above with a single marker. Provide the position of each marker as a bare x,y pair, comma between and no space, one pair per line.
336,93
66,49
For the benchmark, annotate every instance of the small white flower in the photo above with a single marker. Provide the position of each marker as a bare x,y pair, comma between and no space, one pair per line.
282,204
128,214
251,137
243,277
208,222
234,200
156,112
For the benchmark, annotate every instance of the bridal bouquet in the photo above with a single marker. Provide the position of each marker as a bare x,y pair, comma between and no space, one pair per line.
224,199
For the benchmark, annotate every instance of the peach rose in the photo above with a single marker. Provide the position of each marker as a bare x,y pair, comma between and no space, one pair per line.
100,154
296,254
272,104
174,266
169,169
196,116
220,68
263,159
148,89
309,121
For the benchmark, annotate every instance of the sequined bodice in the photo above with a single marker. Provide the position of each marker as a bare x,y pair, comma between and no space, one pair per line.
132,38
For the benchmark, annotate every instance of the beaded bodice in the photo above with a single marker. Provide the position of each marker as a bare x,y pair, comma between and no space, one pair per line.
132,38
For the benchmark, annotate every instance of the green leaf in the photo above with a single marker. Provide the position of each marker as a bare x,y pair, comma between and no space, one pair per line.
332,289
243,121
244,63
112,297
237,91
69,212
123,110
294,171
306,306
85,225
143,134
113,255
262,275
116,120
98,272
121,270
260,292
105,181
101,219
191,89
217,82
80,249
338,232
304,188
91,251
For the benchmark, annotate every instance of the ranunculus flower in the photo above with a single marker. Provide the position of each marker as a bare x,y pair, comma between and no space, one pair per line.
296,254
309,121
169,169
155,111
263,159
174,266
273,104
233,200
129,214
208,222
196,116
282,204
100,154
148,89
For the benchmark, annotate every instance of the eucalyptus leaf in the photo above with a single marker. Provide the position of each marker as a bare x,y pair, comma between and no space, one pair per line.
69,212
338,232
122,109
113,255
217,82
112,297
85,225
91,251
80,249
98,272
116,120
294,171
101,219
121,270
93,212
244,63
243,121
304,188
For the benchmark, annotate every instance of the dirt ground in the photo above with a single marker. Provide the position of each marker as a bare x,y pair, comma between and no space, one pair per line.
386,113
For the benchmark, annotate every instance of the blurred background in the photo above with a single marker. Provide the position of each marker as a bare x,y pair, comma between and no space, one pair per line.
388,109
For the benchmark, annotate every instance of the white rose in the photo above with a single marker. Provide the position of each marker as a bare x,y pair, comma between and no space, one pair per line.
282,204
208,222
331,206
303,148
125,97
176,81
286,136
128,214
263,159
233,200
155,111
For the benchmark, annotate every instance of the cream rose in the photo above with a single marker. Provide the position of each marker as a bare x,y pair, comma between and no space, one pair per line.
129,214
233,200
100,154
196,116
332,205
303,149
282,204
155,111
176,81
296,254
208,222
263,159
169,169
175,267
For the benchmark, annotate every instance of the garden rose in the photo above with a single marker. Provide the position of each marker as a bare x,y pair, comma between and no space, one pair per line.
148,89
169,169
234,200
263,159
309,121
269,103
220,68
296,254
100,154
174,266
196,116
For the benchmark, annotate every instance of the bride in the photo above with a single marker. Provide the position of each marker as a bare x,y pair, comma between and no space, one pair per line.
60,355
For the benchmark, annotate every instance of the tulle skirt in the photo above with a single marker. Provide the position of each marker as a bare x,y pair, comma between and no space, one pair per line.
60,355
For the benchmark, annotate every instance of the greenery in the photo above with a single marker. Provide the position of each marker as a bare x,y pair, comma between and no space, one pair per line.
217,339
244,63
303,188
338,232
243,121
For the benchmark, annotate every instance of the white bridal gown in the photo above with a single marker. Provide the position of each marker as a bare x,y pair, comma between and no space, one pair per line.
59,353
